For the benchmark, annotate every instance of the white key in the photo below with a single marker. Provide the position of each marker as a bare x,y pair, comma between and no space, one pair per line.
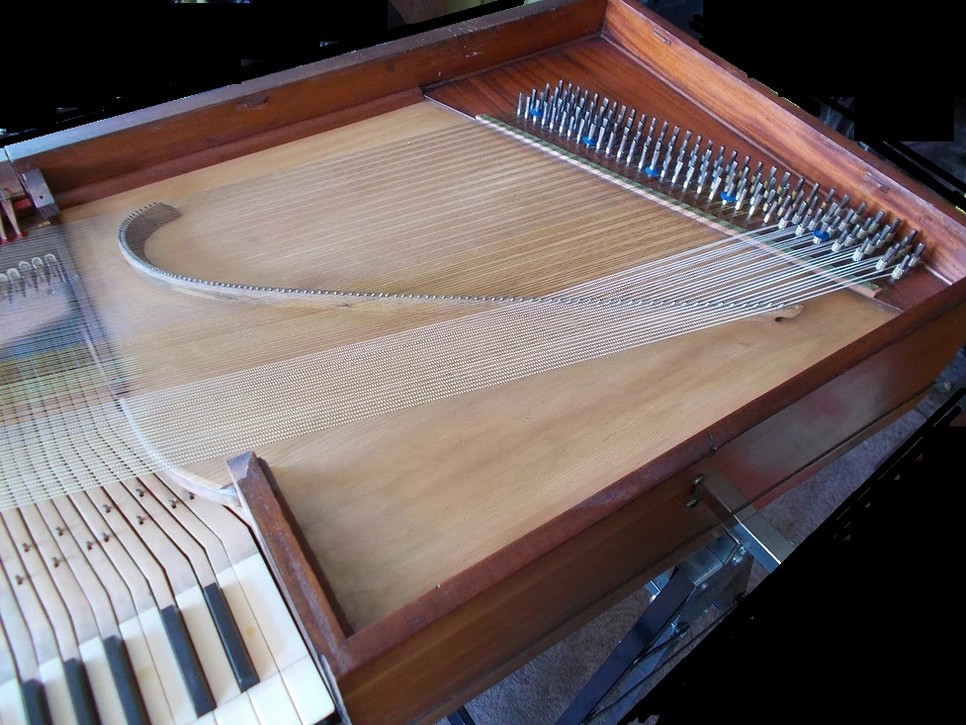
308,691
272,702
182,710
106,696
8,668
157,499
20,661
11,704
12,711
204,637
146,672
240,711
55,688
271,612
114,582
248,626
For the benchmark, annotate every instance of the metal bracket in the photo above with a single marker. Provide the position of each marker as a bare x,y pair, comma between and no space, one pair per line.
18,188
697,488
39,194
713,576
748,526
716,575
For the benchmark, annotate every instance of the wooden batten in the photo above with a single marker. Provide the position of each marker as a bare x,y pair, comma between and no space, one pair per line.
303,584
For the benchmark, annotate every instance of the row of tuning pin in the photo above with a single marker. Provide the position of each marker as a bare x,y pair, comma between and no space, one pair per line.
26,275
847,228
655,149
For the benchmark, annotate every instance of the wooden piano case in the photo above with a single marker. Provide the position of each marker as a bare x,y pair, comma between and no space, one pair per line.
429,554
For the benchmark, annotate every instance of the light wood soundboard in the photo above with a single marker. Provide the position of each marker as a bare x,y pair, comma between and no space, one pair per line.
429,550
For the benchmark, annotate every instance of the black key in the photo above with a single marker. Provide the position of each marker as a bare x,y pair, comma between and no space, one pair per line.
241,663
126,683
35,703
81,695
184,652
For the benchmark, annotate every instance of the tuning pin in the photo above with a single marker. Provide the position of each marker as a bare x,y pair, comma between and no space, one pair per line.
679,164
565,121
876,220
755,202
600,136
687,176
741,194
579,137
907,240
900,269
668,154
820,234
863,231
623,144
572,124
798,215
846,239
715,183
784,213
862,252
634,142
550,118
886,259
916,254
702,178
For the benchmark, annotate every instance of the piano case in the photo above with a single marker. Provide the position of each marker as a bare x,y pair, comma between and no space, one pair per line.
429,553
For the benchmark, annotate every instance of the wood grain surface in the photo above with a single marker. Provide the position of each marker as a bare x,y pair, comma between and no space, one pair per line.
395,505
458,536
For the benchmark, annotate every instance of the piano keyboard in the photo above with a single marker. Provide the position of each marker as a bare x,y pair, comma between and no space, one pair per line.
132,601
141,603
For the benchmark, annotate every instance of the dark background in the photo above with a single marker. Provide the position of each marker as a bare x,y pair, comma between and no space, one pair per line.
894,61
96,60
897,60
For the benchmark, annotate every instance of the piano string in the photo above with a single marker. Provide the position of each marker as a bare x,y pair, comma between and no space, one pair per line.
104,553
542,295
